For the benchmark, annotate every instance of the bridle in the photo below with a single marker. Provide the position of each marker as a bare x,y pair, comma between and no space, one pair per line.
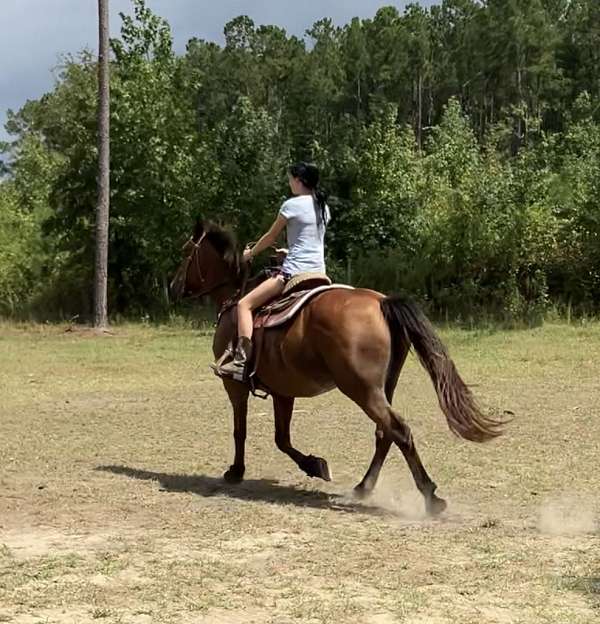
194,258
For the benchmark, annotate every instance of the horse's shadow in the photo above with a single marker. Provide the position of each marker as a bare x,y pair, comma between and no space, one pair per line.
265,490
588,585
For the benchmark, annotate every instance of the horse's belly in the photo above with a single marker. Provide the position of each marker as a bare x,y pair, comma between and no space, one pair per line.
293,385
290,367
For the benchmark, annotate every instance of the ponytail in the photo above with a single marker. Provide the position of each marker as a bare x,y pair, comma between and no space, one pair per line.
308,174
320,198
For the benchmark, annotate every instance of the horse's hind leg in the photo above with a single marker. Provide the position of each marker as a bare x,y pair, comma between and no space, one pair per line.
403,438
394,427
382,441
311,465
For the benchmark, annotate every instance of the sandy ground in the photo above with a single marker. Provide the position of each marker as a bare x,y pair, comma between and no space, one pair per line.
112,506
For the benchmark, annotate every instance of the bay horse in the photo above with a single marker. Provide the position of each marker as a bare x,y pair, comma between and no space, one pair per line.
354,339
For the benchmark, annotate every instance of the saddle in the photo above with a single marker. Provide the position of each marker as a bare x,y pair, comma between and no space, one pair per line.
299,291
296,294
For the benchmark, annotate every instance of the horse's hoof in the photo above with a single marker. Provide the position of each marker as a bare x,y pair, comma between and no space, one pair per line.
435,505
235,474
316,467
361,492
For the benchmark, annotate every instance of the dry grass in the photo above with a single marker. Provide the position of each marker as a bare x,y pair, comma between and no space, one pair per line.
112,508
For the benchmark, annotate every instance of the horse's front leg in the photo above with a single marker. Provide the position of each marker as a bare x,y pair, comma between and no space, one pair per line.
311,465
238,395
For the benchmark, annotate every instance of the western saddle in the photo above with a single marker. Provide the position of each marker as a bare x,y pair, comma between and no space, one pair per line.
299,290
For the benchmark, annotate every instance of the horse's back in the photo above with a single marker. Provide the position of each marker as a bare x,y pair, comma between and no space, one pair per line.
340,330
347,313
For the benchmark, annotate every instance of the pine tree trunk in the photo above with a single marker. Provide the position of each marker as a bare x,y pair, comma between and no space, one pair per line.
102,207
420,110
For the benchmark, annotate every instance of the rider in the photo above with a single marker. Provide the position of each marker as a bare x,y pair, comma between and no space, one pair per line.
305,215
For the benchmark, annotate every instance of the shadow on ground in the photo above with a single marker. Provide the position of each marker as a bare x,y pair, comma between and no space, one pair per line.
266,490
589,585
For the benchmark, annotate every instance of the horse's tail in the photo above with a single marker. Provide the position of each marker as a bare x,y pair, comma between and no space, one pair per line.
464,417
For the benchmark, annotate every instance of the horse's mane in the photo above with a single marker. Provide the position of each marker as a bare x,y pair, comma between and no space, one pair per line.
225,244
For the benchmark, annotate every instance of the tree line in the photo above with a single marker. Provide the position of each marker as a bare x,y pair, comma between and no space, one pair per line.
459,143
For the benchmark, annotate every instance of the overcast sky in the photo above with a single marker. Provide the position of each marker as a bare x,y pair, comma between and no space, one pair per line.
36,32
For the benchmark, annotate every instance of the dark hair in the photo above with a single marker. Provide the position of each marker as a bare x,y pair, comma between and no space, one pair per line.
308,174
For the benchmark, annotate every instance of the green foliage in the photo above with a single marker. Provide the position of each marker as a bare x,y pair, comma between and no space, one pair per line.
19,250
460,145
576,197
251,171
384,173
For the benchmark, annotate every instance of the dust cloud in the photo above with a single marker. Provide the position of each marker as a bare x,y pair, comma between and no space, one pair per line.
566,516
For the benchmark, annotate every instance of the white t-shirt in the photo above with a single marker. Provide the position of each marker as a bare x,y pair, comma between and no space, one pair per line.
305,235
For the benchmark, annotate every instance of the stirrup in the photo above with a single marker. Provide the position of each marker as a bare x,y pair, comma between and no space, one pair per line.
236,375
227,354
237,367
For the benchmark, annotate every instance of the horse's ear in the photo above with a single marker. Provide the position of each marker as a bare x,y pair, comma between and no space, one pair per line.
198,228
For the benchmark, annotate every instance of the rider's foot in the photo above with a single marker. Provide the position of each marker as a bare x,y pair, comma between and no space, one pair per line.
236,368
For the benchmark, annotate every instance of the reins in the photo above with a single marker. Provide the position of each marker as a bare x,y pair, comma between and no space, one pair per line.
193,257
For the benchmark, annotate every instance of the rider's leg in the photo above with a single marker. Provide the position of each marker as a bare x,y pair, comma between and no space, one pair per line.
269,289
254,299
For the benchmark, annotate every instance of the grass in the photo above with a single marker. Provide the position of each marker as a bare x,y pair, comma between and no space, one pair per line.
112,508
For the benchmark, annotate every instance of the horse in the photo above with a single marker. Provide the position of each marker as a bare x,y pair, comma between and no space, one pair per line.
354,339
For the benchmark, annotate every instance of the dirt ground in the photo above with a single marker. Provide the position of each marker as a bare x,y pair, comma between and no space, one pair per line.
112,507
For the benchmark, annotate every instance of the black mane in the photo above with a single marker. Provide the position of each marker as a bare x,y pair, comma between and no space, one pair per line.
225,244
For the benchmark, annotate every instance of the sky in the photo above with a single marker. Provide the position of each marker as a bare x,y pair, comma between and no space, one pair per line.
35,33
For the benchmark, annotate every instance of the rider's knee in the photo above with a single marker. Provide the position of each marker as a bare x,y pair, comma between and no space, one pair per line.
244,305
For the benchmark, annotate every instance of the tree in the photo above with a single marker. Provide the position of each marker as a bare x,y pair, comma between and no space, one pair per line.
356,62
162,173
102,208
20,250
497,208
576,195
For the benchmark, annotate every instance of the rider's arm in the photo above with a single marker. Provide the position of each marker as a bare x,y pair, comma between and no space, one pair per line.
270,238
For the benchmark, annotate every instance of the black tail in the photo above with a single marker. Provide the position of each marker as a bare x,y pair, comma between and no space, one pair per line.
464,417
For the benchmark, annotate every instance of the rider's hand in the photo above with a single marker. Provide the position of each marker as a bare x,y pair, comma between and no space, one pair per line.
247,255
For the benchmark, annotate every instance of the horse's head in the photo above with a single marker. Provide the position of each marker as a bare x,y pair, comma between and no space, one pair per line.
210,262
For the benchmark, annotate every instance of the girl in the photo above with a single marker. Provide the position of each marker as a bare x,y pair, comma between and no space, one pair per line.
305,216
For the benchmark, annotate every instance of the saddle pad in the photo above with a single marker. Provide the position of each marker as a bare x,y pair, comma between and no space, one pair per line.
282,311
306,281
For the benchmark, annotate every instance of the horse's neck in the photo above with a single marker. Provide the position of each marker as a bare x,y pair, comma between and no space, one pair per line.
223,293
237,288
